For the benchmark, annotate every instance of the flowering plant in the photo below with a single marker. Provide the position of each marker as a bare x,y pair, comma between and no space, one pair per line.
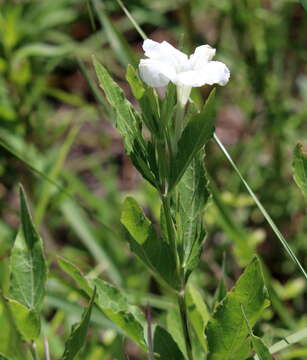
171,159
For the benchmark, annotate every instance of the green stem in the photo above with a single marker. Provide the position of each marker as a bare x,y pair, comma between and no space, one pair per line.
33,351
170,228
184,320
180,295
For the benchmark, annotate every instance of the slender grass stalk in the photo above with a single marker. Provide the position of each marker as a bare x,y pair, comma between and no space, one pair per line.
133,22
261,208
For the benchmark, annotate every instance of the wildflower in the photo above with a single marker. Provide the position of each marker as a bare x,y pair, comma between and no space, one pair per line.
166,63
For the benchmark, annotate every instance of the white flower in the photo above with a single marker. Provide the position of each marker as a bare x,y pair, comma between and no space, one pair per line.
165,63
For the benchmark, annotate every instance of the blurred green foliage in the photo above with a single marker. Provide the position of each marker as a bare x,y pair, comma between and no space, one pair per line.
54,118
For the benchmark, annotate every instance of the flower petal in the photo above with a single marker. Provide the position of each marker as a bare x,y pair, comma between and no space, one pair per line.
166,53
192,78
215,72
202,55
156,73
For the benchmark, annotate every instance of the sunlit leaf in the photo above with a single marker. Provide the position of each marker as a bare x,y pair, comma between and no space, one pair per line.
226,331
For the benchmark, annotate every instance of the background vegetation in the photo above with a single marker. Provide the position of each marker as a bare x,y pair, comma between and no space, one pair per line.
56,123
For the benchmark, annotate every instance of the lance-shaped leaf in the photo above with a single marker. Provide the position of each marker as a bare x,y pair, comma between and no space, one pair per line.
193,197
153,251
28,273
165,346
77,338
195,136
111,302
226,331
300,168
128,123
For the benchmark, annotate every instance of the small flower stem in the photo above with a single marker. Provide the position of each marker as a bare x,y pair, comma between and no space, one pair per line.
185,326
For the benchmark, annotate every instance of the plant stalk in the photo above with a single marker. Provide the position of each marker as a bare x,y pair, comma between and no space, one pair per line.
185,326
180,295
33,351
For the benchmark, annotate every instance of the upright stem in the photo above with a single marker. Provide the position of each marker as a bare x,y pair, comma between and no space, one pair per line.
180,295
185,326
33,351
170,229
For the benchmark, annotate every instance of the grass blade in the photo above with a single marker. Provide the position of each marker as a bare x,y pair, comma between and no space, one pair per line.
261,208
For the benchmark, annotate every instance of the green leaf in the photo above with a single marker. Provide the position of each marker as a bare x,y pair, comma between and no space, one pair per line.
2,357
27,320
11,344
198,313
135,221
165,346
28,269
226,331
128,123
134,82
195,136
174,327
258,345
300,168
77,337
154,252
126,116
111,302
193,198
260,348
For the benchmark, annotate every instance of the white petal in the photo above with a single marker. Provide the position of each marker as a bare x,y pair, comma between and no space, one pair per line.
202,55
193,78
166,53
156,73
215,72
